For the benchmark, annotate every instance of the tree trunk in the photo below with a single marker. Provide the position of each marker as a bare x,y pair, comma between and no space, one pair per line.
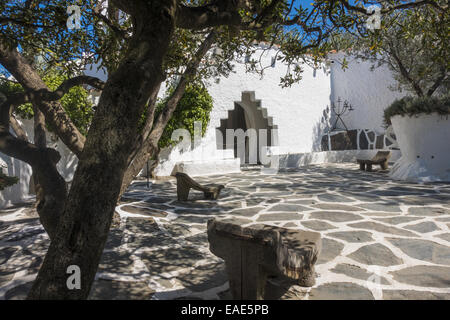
85,223
149,146
43,162
155,163
54,113
40,141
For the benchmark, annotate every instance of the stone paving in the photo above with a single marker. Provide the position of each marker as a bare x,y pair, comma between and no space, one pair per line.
382,239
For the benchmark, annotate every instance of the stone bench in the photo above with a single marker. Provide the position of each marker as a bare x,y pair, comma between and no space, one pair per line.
380,158
253,253
185,183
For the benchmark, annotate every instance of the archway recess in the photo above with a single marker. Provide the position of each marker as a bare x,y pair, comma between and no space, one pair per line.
251,127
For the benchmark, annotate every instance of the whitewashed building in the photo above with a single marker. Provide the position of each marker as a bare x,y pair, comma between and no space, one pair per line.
299,120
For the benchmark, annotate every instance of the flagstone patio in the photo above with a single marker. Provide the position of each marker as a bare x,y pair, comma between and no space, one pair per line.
374,231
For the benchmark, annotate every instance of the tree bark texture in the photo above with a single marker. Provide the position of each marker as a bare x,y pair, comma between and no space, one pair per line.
85,222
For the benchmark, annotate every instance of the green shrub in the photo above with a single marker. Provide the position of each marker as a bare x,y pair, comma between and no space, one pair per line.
75,102
409,106
7,181
195,105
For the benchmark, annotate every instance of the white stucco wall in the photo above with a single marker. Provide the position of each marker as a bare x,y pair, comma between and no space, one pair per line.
297,111
20,191
367,91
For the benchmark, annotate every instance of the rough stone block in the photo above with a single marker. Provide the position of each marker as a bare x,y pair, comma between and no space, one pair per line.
253,253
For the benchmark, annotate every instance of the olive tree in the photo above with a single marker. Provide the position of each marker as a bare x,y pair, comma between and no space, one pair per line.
414,44
194,106
135,40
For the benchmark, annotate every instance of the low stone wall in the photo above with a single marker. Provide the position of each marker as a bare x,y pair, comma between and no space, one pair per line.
297,160
355,139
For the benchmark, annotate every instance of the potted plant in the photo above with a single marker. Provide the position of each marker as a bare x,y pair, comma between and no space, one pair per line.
414,45
422,129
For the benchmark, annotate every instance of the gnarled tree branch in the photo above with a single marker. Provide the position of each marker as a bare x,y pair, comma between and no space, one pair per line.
54,113
43,161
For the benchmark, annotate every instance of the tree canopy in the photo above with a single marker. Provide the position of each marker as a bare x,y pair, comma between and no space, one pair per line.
75,102
141,44
414,44
195,105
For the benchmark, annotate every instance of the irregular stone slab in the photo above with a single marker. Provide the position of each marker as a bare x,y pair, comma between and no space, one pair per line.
35,265
340,291
386,207
424,276
290,225
355,272
5,278
281,288
390,193
253,253
204,277
443,219
330,250
379,214
414,295
339,207
114,239
415,201
116,262
375,254
318,225
7,271
6,253
153,200
363,197
39,247
333,198
148,241
141,225
156,206
423,250
120,290
226,206
161,261
412,190
445,236
301,195
439,199
427,211
398,220
272,194
335,216
199,239
177,229
212,211
26,233
192,219
144,211
280,216
247,212
423,227
288,207
237,220
249,202
352,236
306,202
194,204
382,228
19,293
